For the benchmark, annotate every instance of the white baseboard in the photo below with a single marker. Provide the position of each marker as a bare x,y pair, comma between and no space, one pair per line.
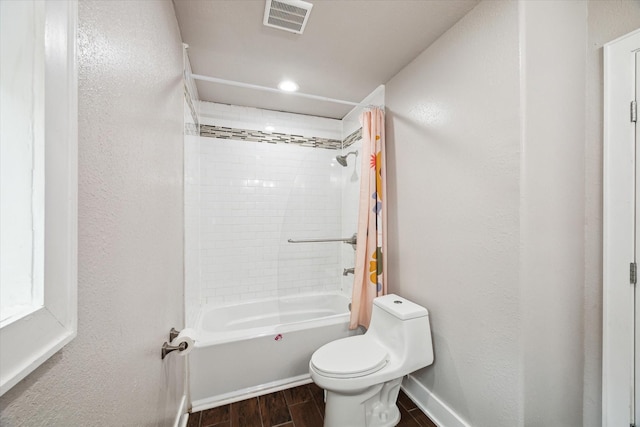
435,408
249,392
181,416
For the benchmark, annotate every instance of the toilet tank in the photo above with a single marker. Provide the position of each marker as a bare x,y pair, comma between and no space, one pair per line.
403,328
399,307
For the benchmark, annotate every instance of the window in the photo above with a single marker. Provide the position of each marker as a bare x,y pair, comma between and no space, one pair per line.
38,184
21,159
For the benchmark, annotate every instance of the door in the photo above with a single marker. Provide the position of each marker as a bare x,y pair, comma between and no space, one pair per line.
635,406
621,326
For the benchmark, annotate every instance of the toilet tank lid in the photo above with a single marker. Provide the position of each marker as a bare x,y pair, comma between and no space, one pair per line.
400,307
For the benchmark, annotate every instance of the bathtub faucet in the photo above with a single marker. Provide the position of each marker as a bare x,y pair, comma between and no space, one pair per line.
348,271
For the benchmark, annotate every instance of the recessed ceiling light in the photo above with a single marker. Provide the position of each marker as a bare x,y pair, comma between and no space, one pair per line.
288,86
269,128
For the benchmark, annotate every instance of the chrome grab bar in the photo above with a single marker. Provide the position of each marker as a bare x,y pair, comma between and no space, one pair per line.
353,240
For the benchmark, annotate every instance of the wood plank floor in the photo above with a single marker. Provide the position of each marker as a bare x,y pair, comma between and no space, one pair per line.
295,407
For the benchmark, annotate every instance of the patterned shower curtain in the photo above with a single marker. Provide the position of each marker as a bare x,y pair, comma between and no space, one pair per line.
370,278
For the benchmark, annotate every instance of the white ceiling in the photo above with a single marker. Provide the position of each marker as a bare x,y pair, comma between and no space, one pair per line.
348,48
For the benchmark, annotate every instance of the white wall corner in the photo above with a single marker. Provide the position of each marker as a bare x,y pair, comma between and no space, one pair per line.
351,120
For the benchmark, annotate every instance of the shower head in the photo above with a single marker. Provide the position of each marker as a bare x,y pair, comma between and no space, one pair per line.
343,159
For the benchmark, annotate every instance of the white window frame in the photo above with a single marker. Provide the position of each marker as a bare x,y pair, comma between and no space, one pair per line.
28,342
618,230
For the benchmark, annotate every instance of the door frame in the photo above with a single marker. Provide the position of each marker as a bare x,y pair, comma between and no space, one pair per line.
618,231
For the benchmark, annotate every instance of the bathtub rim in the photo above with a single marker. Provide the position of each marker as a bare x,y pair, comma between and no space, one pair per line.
206,338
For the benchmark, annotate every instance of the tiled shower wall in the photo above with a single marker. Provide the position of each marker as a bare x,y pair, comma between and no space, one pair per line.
192,234
253,196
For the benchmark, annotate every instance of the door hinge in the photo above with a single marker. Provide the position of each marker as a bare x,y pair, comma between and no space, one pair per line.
634,111
633,273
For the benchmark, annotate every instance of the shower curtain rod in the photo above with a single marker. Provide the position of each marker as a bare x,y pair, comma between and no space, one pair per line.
270,89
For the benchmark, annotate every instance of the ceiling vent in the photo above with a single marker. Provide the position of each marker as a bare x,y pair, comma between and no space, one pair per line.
288,15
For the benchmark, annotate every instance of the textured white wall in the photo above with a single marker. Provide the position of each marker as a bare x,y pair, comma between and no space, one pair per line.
533,306
453,179
130,229
192,229
553,49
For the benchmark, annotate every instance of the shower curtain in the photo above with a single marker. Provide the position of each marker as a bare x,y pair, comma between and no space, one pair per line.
370,278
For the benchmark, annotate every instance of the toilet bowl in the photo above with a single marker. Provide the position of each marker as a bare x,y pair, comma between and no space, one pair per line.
362,374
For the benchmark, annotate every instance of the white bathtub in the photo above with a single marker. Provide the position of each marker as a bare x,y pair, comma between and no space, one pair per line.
248,349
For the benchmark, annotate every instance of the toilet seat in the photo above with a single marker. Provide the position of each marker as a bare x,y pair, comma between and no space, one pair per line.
350,357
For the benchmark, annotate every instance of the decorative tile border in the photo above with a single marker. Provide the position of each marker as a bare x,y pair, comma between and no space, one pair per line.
355,136
278,138
270,137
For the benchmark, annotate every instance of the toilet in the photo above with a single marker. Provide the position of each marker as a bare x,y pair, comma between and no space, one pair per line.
362,374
